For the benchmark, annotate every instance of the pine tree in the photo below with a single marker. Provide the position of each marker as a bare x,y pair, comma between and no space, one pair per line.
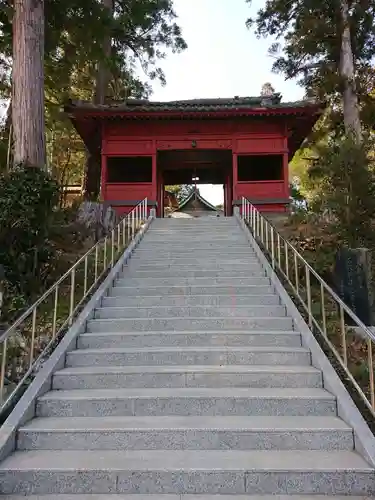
329,46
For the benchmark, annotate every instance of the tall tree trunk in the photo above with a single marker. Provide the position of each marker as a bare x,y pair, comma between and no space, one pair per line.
352,120
93,161
28,83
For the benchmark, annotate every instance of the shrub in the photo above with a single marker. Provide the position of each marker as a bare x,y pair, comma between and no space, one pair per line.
28,196
347,189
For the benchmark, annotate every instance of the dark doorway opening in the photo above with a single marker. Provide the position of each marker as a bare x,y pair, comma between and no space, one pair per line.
195,167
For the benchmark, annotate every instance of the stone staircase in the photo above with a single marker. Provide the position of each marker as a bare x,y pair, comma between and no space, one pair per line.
190,379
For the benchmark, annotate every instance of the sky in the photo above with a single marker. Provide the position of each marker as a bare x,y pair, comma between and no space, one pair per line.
223,59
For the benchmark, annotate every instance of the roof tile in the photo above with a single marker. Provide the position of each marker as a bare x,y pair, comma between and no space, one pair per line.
220,104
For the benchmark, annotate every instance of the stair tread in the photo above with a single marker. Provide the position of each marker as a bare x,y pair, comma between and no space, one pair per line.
286,439
170,423
249,460
209,306
116,286
157,496
188,392
114,350
211,333
179,296
189,369
196,332
168,318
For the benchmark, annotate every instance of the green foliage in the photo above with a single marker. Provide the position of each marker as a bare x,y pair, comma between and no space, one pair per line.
346,188
310,33
180,190
28,196
185,190
295,193
142,31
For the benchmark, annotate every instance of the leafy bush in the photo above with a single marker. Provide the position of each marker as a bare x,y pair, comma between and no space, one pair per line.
347,189
28,197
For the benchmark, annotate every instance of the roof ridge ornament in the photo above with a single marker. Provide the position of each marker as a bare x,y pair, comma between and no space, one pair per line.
268,95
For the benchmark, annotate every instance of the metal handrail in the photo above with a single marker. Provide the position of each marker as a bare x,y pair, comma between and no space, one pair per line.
39,328
288,261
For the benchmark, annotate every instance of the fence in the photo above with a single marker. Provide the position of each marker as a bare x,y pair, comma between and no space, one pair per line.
325,312
25,344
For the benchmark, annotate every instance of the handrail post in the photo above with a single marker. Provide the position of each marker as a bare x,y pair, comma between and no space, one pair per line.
2,280
74,287
305,283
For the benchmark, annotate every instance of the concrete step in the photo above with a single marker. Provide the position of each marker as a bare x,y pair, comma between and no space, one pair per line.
196,250
119,496
190,324
205,263
192,227
239,245
157,231
187,401
223,241
206,235
181,339
190,312
147,257
188,290
188,268
195,229
149,253
171,245
187,471
209,355
203,281
186,433
175,272
122,377
170,223
191,300
203,237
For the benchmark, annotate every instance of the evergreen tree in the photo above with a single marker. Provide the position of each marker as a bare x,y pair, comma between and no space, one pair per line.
28,83
139,31
75,35
329,46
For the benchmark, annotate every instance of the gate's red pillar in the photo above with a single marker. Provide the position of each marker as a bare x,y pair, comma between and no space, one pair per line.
162,188
103,177
286,174
154,177
229,195
159,196
233,179
225,188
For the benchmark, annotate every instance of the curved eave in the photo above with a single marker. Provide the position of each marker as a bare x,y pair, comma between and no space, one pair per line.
199,197
83,113
299,119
